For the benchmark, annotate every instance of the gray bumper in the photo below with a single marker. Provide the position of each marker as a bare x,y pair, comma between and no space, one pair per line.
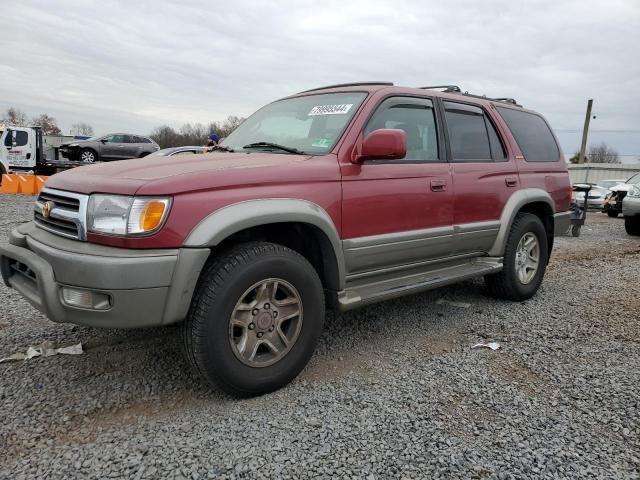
145,287
631,206
561,223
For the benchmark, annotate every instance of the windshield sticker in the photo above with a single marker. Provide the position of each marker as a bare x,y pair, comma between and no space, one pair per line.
321,143
331,109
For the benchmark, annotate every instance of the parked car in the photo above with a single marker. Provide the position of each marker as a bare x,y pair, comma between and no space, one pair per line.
187,150
339,196
595,199
631,210
613,202
115,146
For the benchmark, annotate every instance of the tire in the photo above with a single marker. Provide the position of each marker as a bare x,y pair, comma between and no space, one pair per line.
632,225
575,230
212,344
507,283
88,156
612,214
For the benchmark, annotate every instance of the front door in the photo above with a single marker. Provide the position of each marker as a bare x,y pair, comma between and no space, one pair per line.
399,212
484,176
114,146
18,148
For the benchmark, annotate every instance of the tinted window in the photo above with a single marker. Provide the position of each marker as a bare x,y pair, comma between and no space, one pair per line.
128,139
414,116
533,135
472,136
8,138
116,139
142,140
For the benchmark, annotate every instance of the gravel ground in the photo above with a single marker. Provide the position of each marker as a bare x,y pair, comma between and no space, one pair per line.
394,390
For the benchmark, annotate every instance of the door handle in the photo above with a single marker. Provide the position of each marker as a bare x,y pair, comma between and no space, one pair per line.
438,185
511,181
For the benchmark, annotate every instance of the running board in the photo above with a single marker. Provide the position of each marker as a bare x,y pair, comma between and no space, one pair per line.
387,286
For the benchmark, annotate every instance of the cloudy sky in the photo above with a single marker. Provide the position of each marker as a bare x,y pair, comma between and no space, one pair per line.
137,64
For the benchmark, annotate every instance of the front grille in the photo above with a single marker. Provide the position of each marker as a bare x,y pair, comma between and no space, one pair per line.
62,213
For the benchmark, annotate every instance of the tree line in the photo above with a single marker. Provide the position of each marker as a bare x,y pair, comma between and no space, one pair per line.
164,135
598,154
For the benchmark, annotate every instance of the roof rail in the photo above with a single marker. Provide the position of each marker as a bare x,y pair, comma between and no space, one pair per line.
355,84
447,88
456,89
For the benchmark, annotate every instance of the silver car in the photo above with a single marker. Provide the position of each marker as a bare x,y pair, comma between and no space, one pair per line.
631,210
115,146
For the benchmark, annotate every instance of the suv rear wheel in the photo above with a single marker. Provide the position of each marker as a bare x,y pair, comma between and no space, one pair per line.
632,225
255,319
525,260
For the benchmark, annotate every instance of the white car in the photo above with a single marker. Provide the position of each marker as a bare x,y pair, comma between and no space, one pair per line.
613,202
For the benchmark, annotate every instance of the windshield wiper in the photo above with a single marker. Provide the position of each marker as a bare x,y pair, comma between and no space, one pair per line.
220,148
275,146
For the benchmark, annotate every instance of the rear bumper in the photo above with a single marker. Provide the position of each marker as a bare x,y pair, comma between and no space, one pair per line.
144,287
561,222
631,206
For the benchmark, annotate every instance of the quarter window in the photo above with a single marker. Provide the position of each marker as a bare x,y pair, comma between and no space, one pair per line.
416,117
532,134
472,136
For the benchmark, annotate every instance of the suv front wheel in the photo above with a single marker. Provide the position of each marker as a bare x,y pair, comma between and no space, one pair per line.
255,319
525,260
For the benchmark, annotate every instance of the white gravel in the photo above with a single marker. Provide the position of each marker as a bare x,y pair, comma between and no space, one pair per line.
394,390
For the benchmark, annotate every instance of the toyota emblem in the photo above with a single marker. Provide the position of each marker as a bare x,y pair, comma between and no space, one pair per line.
46,209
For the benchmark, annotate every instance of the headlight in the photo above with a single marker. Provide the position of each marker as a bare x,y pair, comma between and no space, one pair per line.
121,215
635,191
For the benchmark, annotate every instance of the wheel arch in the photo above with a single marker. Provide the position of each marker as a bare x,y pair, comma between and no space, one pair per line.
529,200
298,224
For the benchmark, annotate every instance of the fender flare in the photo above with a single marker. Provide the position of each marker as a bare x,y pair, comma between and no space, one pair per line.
516,201
222,223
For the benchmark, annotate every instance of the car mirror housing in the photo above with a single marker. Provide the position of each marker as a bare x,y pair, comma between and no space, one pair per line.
383,144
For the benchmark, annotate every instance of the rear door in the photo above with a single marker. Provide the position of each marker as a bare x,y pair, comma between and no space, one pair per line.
131,146
399,213
484,175
114,146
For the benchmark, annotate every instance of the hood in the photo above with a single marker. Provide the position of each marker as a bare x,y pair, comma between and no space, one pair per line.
623,187
155,175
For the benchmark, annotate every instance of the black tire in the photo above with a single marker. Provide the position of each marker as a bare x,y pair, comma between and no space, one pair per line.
632,225
206,331
88,155
506,284
575,230
612,214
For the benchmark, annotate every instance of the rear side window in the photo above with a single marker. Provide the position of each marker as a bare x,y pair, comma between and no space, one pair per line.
533,135
472,136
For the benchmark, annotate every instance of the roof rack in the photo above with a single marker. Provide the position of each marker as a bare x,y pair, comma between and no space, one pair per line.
447,88
355,84
456,89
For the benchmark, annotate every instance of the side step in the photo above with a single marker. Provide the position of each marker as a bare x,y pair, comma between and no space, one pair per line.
387,286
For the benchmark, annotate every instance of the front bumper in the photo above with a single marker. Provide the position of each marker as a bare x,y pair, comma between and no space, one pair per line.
145,287
69,153
631,206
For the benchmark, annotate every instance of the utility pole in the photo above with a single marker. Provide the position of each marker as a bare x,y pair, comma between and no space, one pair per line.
585,131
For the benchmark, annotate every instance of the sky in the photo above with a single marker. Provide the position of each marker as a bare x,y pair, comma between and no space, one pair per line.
131,66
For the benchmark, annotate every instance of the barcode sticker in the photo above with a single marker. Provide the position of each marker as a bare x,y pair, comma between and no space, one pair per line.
340,109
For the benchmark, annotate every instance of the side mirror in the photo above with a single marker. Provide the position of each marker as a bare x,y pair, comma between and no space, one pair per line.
104,140
383,144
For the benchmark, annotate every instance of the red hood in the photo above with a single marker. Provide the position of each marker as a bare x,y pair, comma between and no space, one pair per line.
170,175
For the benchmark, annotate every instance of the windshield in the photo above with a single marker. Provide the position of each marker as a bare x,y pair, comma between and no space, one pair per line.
634,179
312,124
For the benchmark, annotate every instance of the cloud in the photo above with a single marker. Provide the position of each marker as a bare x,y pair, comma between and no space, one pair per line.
132,65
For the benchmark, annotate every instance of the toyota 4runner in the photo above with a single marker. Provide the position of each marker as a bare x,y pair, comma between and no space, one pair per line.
339,196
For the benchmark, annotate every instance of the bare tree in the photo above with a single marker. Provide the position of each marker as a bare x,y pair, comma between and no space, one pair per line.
15,117
196,134
603,154
83,129
47,123
576,158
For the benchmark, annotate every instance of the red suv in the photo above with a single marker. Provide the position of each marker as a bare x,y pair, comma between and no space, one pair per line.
342,195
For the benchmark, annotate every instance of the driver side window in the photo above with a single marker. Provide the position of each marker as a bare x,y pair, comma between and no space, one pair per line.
416,117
